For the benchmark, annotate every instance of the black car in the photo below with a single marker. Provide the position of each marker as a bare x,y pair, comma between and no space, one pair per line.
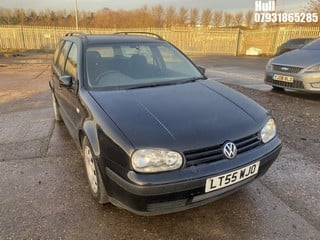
292,44
157,136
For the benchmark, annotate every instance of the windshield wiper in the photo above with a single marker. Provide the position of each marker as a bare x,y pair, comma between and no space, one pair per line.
193,79
152,85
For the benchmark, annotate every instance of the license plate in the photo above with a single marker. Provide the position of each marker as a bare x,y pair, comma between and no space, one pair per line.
283,78
231,178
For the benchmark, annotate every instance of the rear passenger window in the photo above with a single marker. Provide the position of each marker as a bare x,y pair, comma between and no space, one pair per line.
63,56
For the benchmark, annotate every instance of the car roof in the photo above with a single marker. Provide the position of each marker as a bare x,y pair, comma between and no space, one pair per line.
299,39
116,38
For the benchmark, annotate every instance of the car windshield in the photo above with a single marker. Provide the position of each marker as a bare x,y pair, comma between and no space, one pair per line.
314,45
136,65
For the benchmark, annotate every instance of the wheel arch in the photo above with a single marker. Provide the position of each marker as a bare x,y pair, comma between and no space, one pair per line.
89,130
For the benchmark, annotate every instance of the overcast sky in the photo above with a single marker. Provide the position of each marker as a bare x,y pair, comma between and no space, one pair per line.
226,5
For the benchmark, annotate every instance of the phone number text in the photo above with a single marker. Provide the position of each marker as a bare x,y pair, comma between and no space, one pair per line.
267,17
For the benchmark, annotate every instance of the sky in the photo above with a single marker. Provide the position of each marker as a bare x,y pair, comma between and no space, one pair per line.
93,5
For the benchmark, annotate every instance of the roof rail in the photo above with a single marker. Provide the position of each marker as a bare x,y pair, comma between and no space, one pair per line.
80,34
141,33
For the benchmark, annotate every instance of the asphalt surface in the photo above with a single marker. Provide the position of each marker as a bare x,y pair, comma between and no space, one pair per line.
44,193
244,71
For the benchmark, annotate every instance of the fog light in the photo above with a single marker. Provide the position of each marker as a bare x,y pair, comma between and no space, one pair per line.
315,85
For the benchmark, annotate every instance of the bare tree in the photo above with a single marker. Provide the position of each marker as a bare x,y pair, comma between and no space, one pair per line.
313,6
104,18
217,18
145,16
157,13
7,16
85,18
61,16
238,19
45,17
53,18
20,15
141,16
182,16
32,17
227,19
257,24
194,16
206,17
170,16
249,18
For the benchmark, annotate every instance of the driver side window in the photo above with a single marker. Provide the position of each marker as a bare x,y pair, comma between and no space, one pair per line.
62,57
72,66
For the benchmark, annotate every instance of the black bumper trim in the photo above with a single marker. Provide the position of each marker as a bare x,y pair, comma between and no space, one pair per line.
155,190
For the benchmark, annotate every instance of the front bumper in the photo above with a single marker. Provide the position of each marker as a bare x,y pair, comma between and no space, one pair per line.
154,194
306,82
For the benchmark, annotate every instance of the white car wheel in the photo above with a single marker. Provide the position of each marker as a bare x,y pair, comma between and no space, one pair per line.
96,184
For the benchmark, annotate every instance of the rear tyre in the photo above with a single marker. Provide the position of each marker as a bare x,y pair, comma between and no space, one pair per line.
57,115
96,184
277,89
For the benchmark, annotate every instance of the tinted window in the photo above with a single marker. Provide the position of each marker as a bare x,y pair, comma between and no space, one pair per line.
56,53
63,56
137,64
145,51
103,51
172,59
72,65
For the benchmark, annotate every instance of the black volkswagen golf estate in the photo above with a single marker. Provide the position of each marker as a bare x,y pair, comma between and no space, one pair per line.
156,135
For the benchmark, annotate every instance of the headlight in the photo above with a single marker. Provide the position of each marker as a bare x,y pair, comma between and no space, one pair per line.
268,131
155,160
312,69
269,67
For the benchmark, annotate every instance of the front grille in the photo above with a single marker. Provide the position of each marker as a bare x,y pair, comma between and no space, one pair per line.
214,153
295,84
286,69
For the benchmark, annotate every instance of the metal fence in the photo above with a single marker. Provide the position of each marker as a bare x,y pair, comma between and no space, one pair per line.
270,38
203,41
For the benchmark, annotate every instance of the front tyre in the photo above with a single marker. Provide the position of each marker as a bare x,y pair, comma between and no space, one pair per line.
96,184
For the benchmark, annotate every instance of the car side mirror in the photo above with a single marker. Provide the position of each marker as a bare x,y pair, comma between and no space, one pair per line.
202,69
65,81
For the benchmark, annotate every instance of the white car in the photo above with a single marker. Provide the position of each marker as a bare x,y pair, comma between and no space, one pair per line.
298,69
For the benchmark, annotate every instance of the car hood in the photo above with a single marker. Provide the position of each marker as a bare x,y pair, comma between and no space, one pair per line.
182,117
299,58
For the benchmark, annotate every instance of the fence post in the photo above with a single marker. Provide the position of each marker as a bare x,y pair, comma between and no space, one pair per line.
239,39
275,42
22,36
